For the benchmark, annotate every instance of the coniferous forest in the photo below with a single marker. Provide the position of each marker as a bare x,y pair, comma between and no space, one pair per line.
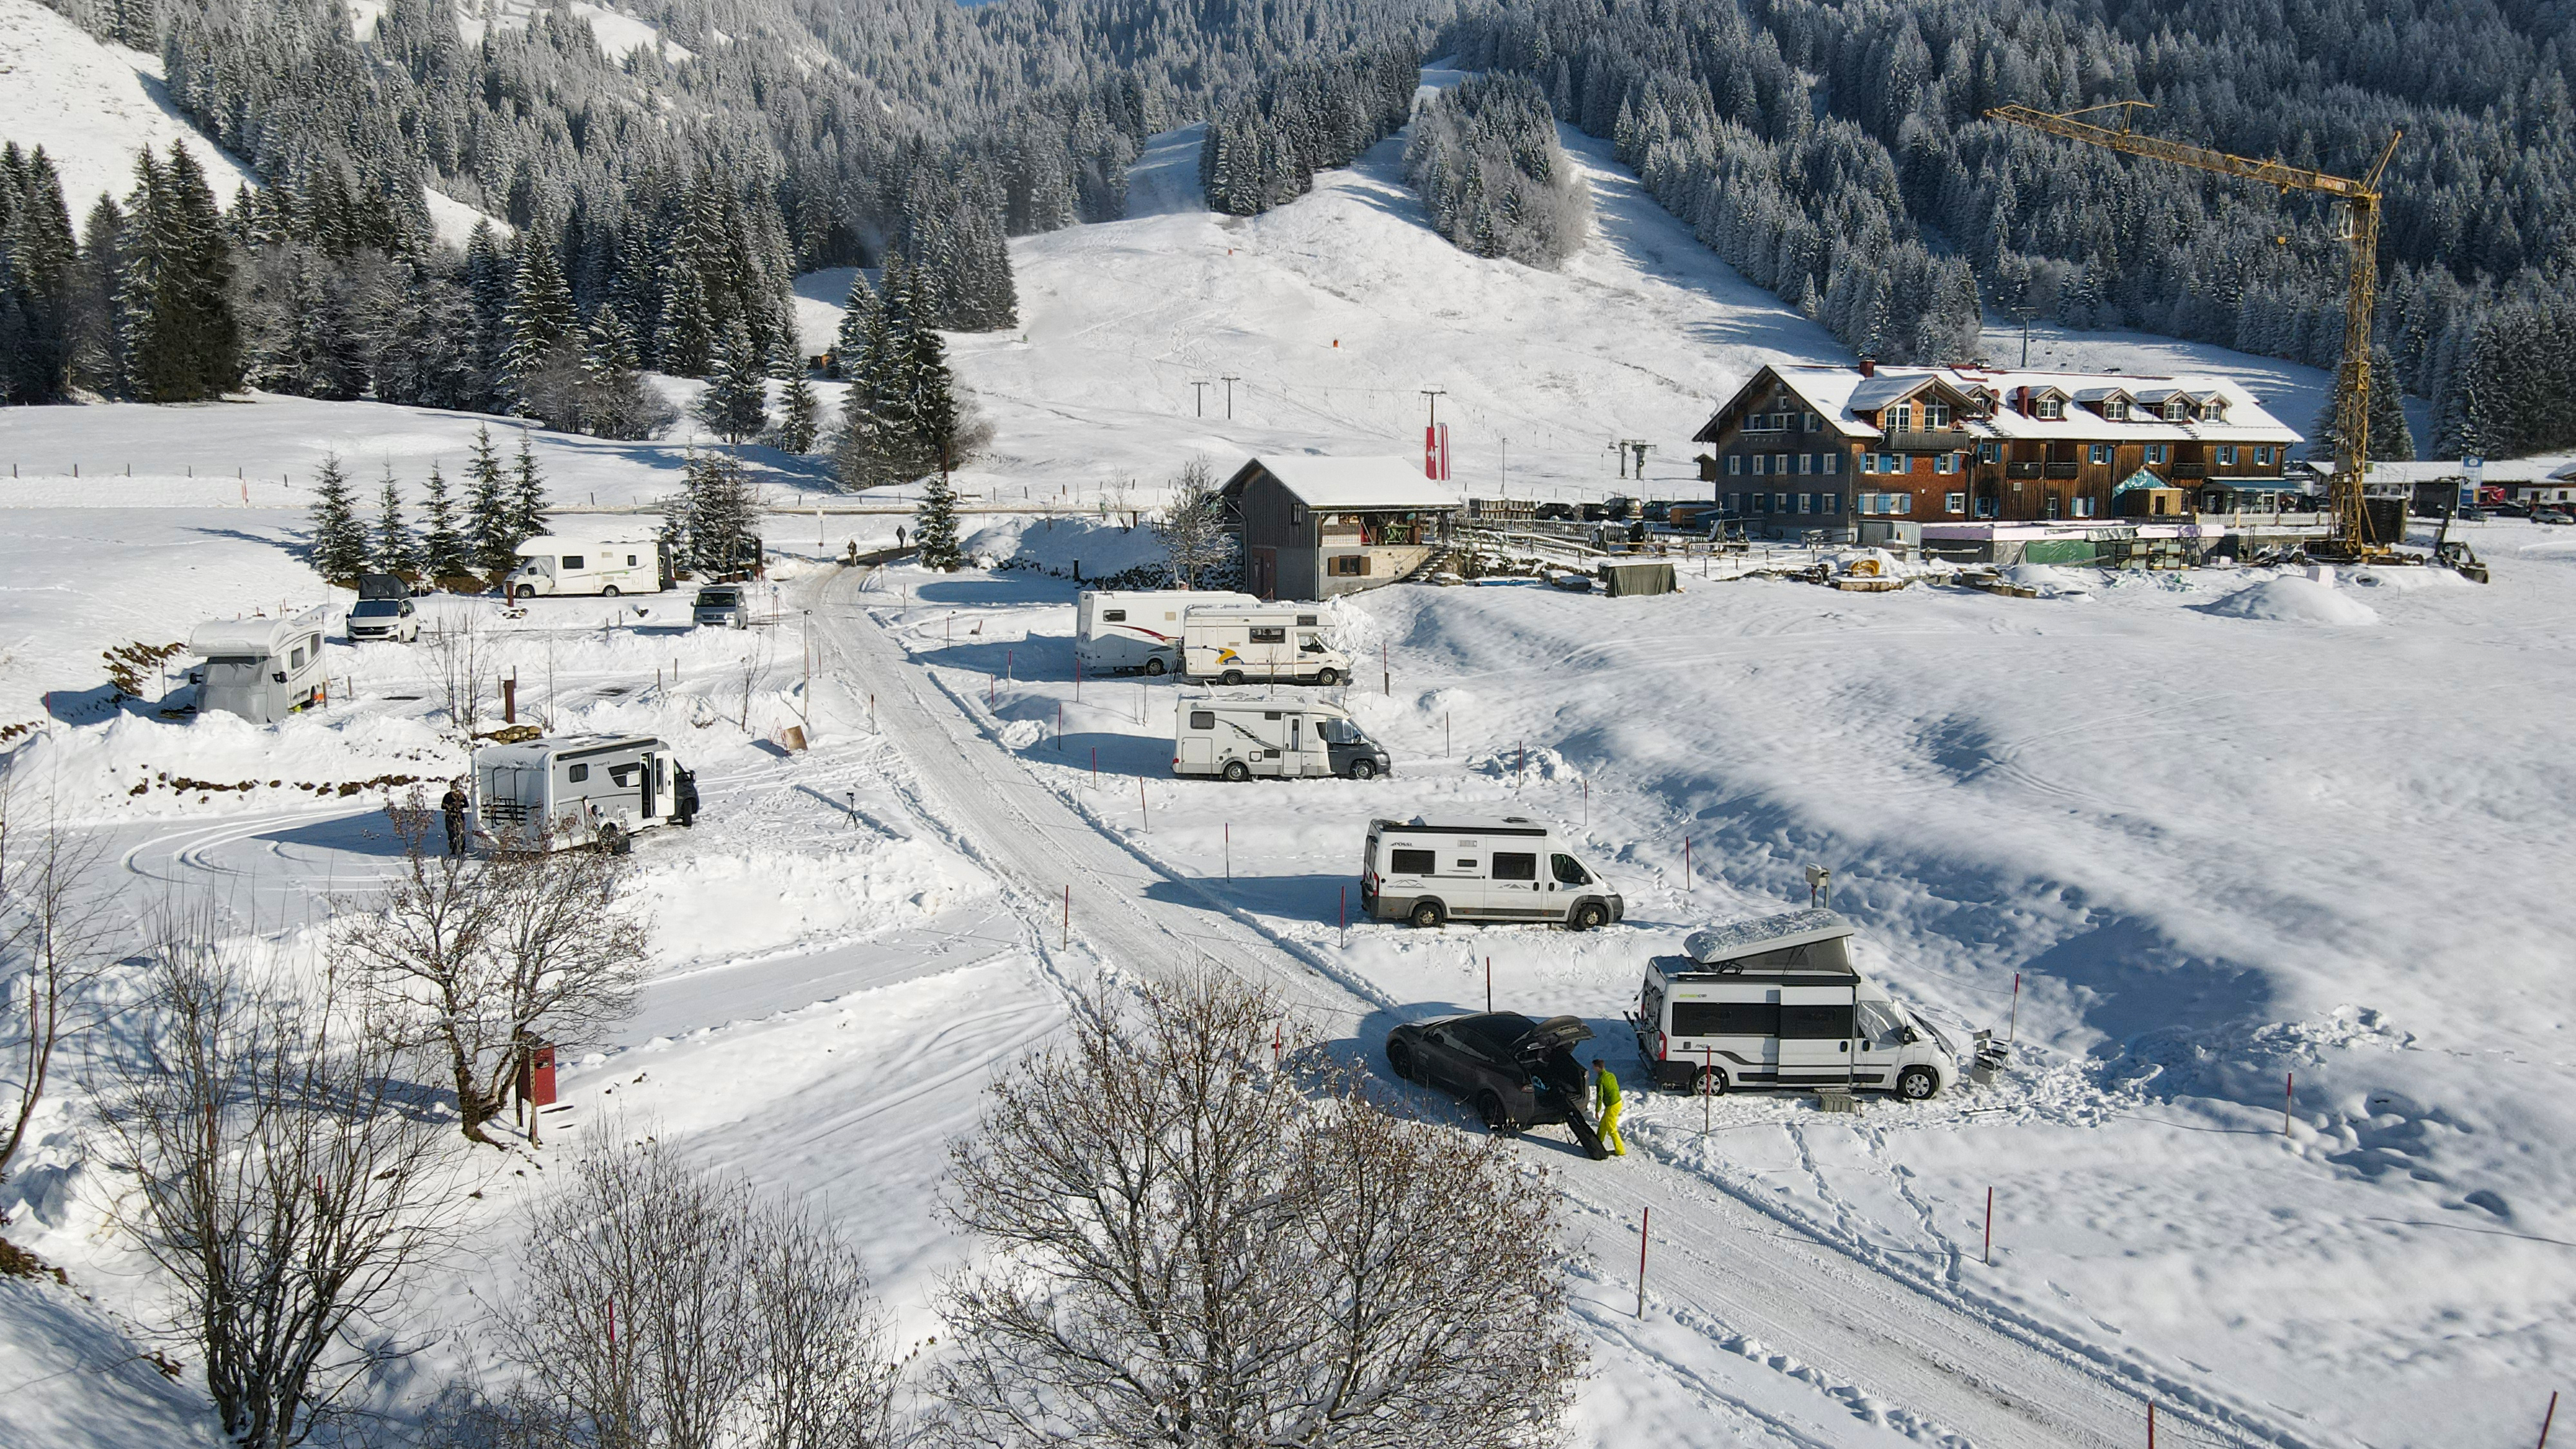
1485,158
1835,153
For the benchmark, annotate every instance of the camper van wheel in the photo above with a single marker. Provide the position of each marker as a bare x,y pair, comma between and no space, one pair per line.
1590,916
609,593
1154,667
1328,677
1363,770
1427,914
1231,676
1917,1084
1708,1080
1400,1058
1237,771
1497,1121
521,592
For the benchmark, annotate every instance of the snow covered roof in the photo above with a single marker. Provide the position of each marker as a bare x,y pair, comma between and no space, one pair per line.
1742,938
253,638
1321,481
1842,397
2439,470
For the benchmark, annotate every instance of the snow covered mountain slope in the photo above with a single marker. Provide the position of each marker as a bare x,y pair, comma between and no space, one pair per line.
92,106
1336,311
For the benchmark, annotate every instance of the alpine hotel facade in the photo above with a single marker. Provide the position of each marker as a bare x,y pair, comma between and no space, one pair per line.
1802,448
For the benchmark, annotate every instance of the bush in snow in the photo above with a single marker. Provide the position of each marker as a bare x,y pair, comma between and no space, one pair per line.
1485,158
1195,532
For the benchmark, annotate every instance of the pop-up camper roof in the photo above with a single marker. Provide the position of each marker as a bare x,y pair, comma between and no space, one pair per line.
1793,942
253,638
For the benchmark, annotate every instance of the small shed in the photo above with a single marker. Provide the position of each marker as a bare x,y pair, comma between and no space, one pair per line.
1314,526
2144,495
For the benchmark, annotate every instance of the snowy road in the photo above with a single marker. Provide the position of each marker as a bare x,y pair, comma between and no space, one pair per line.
1877,1347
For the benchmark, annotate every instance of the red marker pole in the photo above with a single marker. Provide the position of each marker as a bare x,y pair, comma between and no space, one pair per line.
1059,724
2014,1033
1707,1085
1229,851
2289,1098
2151,1424
1095,767
1144,820
1342,914
2545,1418
1990,1227
1489,985
1068,917
1686,865
1645,1220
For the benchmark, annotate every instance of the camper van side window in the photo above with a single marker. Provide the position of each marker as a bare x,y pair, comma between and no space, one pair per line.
1268,634
572,560
1113,616
1511,866
1725,1018
1202,719
577,773
296,659
1815,1023
1416,862
1569,871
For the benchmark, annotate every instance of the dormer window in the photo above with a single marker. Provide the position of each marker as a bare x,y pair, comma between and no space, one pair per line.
2051,408
2176,409
1936,414
2116,409
2214,411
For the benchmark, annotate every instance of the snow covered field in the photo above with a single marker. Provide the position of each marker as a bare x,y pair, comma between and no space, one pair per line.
2225,827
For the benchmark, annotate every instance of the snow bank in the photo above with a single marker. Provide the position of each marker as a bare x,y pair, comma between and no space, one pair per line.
2049,580
2294,600
1097,546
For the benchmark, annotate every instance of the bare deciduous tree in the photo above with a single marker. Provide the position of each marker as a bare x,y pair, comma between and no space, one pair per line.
757,655
462,664
664,1308
1193,528
1196,1248
480,956
288,1181
57,939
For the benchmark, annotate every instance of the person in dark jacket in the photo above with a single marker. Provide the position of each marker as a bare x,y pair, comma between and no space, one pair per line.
452,806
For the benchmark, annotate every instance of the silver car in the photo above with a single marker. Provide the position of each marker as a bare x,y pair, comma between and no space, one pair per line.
721,604
393,619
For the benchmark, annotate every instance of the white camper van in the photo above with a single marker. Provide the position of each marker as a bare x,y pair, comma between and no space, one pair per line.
628,560
1512,869
1115,631
259,668
1776,1002
1239,739
1269,642
582,790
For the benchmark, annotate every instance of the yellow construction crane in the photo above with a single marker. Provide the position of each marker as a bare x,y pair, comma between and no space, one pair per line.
2361,288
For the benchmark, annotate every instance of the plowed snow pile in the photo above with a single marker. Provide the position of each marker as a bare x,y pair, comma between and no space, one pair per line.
2294,601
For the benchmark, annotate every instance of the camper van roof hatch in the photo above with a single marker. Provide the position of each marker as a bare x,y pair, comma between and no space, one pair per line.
1718,944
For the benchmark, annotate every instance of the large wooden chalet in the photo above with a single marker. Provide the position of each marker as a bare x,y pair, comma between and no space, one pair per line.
1826,449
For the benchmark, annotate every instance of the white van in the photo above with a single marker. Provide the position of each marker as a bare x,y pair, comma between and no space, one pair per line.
1776,1002
1269,642
1239,739
1512,869
619,561
1115,631
582,790
260,668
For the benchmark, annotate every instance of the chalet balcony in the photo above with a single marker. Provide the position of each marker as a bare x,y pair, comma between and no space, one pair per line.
1923,442
2025,470
2064,470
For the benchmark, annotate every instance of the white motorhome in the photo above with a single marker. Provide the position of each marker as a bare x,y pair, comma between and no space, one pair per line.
1511,869
612,561
1139,630
260,668
1776,1002
1242,738
1266,642
582,790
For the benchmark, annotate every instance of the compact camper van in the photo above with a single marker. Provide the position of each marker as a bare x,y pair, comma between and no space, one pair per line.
1512,869
1776,1002
1115,631
615,560
582,790
261,669
1264,642
1241,739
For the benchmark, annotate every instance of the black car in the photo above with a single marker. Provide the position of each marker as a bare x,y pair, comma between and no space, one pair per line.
1514,1071
1556,512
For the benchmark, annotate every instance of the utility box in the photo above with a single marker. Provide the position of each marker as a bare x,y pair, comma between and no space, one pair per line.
537,1076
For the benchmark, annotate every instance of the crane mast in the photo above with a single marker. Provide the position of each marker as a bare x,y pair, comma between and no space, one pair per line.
2361,287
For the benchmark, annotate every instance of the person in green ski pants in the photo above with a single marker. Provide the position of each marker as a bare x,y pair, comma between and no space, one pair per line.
1605,1095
